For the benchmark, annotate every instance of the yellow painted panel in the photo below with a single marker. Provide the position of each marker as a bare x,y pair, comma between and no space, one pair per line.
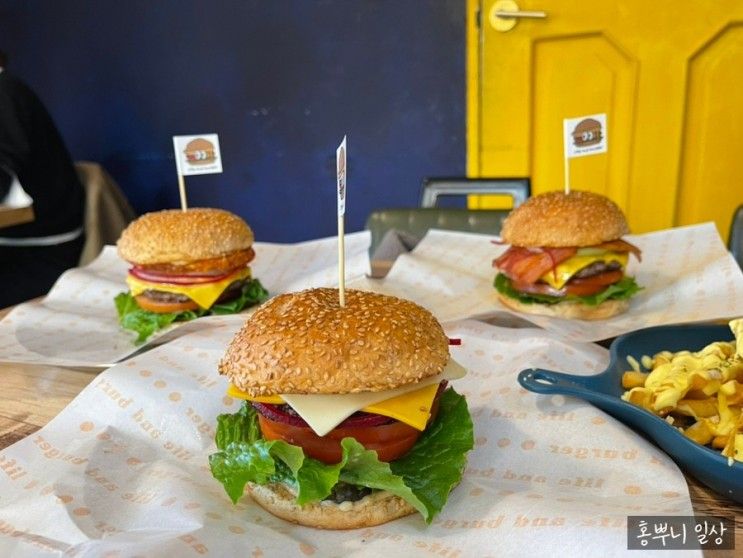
473,88
504,101
562,89
473,112
711,182
490,201
666,77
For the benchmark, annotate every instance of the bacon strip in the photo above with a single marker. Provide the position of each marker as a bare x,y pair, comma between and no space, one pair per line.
529,264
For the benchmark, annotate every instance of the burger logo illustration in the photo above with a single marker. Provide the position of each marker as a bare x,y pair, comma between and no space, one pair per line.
342,173
200,152
587,132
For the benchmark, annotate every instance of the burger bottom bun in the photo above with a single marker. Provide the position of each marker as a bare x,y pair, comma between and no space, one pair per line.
568,309
374,509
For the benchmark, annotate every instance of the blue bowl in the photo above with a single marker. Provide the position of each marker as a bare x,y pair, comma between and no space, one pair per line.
605,390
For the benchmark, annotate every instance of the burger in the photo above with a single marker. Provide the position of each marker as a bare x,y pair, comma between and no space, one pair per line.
200,152
587,132
566,257
185,264
348,420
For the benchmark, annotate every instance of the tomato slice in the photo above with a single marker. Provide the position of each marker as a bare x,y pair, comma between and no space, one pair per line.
391,440
576,287
161,307
593,284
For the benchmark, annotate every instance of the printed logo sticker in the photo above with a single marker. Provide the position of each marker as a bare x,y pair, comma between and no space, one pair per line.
197,154
340,158
585,135
200,152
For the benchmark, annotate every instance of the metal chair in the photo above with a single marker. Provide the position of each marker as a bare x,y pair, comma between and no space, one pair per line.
417,221
518,188
735,238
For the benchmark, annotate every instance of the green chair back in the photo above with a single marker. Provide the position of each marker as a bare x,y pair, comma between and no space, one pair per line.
417,221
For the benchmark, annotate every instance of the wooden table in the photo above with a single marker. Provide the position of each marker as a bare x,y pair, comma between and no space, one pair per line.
32,395
10,216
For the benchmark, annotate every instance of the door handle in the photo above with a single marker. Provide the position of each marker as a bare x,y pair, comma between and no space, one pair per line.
520,13
505,13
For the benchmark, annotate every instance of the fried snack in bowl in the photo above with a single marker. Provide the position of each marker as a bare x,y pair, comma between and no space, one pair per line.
678,431
700,393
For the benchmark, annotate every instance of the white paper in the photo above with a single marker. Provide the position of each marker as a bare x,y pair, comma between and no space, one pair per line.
191,161
123,469
76,323
687,274
16,197
592,141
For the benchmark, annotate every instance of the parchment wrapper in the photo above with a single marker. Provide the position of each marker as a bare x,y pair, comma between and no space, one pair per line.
687,275
123,470
76,323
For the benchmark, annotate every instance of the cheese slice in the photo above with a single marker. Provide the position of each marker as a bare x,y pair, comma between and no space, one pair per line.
237,393
413,408
203,294
563,272
410,404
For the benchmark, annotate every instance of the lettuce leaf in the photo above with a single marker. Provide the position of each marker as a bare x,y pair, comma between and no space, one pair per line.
622,290
424,477
145,323
247,457
252,293
435,464
241,426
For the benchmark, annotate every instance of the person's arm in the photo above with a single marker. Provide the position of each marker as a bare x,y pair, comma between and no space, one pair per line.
15,130
5,181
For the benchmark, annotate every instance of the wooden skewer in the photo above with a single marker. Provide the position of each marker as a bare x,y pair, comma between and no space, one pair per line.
182,191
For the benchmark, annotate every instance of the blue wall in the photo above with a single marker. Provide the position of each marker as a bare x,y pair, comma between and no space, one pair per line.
279,81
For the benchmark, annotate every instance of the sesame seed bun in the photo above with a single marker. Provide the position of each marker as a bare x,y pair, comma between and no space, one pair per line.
557,219
587,125
179,237
306,342
374,509
199,144
568,309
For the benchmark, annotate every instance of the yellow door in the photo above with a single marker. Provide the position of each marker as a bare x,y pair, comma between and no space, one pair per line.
668,74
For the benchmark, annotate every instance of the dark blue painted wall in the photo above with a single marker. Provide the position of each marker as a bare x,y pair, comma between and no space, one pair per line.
279,81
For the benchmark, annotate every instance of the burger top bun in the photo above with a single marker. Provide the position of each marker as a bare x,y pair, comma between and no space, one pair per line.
557,219
306,342
199,144
178,237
